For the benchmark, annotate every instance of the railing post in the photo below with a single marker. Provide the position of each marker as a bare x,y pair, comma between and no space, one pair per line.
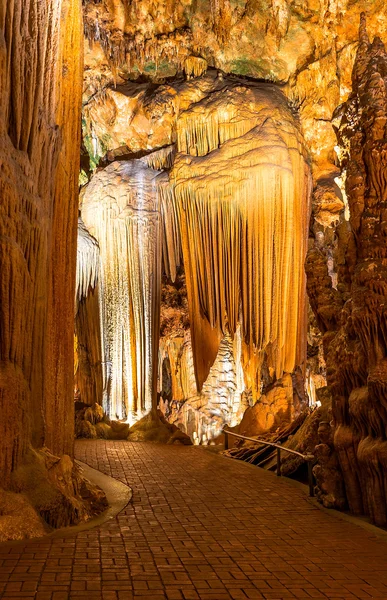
310,476
278,462
309,458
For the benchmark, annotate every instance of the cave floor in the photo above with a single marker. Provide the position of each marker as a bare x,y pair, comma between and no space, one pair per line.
199,526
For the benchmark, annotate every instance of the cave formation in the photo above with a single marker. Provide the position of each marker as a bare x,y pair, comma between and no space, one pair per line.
221,227
218,259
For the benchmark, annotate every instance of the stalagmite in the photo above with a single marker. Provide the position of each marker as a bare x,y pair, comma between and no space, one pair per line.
120,209
176,353
202,415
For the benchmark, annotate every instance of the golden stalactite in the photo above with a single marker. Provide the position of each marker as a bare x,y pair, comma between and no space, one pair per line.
241,185
195,66
87,264
124,44
221,12
172,251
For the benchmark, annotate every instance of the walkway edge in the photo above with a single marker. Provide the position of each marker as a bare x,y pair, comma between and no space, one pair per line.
338,514
344,516
118,496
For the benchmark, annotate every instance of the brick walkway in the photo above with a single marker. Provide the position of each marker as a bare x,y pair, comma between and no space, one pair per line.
199,527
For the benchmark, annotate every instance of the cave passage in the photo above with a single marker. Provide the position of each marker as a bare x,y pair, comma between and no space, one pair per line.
200,526
193,233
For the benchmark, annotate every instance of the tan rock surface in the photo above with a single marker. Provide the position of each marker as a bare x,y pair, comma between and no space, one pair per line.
355,342
309,47
40,87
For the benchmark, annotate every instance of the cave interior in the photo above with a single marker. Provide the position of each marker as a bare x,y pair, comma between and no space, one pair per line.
193,227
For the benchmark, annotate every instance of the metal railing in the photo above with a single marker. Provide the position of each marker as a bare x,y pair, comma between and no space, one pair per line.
308,458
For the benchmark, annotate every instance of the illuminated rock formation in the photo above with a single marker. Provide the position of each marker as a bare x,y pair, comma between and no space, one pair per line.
243,229
353,317
88,353
40,86
120,210
222,400
308,48
40,104
240,233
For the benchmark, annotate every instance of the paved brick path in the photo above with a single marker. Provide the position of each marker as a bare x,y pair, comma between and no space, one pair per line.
199,527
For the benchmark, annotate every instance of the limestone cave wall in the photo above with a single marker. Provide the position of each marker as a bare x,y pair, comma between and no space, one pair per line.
352,313
40,89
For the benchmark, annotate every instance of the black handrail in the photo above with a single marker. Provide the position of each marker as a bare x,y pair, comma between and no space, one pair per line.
309,458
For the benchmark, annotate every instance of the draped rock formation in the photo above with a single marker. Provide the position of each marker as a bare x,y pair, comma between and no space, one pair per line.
120,209
238,233
88,353
353,316
244,229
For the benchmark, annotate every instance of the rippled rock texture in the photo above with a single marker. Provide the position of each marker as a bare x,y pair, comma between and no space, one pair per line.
40,87
353,316
40,104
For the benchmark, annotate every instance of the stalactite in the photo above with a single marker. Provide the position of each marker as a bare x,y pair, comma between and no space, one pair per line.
221,18
88,357
195,66
87,263
121,211
172,251
161,159
134,49
243,228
